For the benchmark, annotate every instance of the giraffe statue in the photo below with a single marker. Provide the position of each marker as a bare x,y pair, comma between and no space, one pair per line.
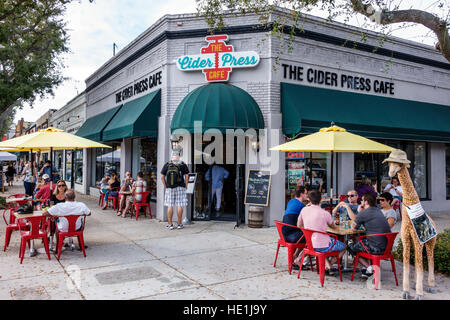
398,165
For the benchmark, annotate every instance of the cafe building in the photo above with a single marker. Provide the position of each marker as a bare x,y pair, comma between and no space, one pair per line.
225,99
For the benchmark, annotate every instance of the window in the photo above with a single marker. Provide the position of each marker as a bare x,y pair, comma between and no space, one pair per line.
78,166
306,169
447,169
369,165
106,160
145,149
68,166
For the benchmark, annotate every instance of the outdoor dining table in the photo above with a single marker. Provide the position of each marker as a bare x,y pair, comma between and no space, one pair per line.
345,232
36,213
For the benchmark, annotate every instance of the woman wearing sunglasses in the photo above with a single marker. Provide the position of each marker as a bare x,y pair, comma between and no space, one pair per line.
59,193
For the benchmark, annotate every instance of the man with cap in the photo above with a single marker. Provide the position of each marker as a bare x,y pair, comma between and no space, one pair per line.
45,192
174,176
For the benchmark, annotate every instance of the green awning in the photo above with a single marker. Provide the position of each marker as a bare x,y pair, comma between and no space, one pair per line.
137,118
219,106
307,109
92,127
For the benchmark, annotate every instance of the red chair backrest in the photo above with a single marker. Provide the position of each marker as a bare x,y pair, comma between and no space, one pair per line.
144,196
280,226
35,224
308,235
72,220
11,213
390,240
342,197
17,195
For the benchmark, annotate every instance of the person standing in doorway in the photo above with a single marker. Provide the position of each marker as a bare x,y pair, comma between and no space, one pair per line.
174,176
219,174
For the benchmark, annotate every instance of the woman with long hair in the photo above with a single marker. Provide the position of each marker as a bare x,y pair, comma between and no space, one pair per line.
112,189
59,193
29,181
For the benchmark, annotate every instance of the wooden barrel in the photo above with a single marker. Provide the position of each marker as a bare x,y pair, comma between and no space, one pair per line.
255,216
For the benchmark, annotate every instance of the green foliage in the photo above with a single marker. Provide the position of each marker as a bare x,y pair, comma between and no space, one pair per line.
441,253
32,37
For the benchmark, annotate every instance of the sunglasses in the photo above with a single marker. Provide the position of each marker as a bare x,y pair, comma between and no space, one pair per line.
352,195
61,185
383,200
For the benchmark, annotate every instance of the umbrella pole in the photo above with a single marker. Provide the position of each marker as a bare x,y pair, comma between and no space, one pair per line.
331,181
51,169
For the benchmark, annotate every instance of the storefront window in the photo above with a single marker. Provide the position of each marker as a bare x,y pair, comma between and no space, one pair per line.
68,176
106,160
146,150
369,165
306,169
78,166
447,169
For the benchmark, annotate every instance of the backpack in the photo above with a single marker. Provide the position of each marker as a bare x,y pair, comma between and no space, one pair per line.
173,176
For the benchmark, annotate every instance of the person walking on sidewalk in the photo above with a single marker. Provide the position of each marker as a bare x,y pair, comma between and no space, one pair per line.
219,174
174,176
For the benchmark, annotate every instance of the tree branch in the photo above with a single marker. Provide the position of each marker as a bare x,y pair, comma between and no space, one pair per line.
432,22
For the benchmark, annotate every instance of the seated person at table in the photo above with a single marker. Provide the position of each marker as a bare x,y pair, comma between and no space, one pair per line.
290,216
41,183
388,212
68,208
140,185
373,220
349,209
395,189
126,186
365,187
314,217
112,189
59,195
44,192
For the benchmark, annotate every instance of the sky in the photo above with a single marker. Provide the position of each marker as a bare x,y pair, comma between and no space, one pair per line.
94,27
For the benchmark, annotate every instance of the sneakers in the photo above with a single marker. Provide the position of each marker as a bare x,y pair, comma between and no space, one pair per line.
171,227
366,273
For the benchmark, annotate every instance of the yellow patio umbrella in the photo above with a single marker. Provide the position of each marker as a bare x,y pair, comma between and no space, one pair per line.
49,139
333,139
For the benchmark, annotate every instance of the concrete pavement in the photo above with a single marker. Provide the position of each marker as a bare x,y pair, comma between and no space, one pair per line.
129,259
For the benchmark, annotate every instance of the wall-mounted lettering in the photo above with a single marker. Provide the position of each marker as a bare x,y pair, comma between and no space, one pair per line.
140,86
333,79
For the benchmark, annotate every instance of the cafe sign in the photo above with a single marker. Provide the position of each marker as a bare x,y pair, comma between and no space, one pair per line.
218,59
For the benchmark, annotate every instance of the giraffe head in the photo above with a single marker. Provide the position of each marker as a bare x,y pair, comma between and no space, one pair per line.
396,160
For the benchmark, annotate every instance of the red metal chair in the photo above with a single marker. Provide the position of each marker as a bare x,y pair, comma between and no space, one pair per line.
100,199
320,256
376,258
142,204
71,232
36,231
115,199
342,197
289,245
11,226
12,218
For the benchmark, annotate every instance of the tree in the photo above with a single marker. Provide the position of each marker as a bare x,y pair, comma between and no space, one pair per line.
380,13
32,37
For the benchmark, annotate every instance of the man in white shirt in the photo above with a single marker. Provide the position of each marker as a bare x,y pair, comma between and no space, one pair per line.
68,208
395,189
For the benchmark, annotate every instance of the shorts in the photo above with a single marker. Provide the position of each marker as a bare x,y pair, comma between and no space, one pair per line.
175,197
355,247
339,246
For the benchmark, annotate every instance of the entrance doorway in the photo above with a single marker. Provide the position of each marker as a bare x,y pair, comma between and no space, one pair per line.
231,199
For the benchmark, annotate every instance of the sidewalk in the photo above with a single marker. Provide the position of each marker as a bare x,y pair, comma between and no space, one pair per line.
129,259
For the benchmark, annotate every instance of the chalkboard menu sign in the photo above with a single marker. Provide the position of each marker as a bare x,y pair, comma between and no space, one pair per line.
258,187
